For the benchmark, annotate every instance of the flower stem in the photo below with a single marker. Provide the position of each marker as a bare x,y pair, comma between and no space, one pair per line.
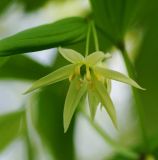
116,146
95,37
88,40
139,106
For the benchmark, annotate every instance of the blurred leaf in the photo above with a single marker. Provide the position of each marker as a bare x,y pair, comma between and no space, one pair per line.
10,127
114,18
4,4
119,157
3,60
147,65
22,67
50,122
63,32
30,5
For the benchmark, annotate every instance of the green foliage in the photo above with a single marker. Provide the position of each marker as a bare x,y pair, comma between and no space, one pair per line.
4,4
11,127
147,65
50,122
45,37
28,5
22,67
112,19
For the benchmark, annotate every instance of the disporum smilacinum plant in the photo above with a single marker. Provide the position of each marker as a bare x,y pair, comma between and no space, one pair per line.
88,76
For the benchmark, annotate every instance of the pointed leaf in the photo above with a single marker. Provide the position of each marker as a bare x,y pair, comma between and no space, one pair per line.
71,55
106,101
11,127
114,75
56,76
95,57
63,32
74,95
93,102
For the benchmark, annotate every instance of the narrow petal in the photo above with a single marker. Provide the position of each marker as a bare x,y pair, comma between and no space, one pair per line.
106,101
108,85
74,95
71,55
114,75
93,102
95,57
56,76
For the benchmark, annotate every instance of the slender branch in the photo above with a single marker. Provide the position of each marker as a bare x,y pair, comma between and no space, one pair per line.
117,147
95,37
88,40
139,106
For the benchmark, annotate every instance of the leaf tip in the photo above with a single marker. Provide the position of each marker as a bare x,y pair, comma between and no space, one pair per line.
26,92
139,87
66,126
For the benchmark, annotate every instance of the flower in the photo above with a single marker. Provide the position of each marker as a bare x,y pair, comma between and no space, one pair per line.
86,75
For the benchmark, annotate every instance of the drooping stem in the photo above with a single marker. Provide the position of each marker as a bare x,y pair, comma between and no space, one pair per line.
116,146
96,42
88,40
139,107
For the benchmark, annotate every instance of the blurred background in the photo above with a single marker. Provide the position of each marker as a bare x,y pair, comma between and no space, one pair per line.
31,125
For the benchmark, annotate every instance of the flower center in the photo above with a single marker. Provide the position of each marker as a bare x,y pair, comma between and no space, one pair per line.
83,70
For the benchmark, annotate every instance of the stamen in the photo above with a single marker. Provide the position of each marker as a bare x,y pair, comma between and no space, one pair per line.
88,75
77,70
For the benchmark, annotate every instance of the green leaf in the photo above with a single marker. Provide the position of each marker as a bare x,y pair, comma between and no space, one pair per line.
4,4
114,75
3,60
147,70
50,122
106,101
10,127
95,57
74,95
56,76
22,67
93,102
115,17
71,55
63,32
30,6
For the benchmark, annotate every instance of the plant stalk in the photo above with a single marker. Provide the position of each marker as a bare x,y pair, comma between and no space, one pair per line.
138,104
116,146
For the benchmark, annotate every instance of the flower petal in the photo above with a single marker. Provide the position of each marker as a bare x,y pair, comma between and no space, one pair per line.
93,102
95,57
74,95
71,55
56,76
114,75
108,85
106,101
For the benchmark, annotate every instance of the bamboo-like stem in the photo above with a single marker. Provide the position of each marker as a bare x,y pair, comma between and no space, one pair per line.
88,40
116,146
139,107
96,42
